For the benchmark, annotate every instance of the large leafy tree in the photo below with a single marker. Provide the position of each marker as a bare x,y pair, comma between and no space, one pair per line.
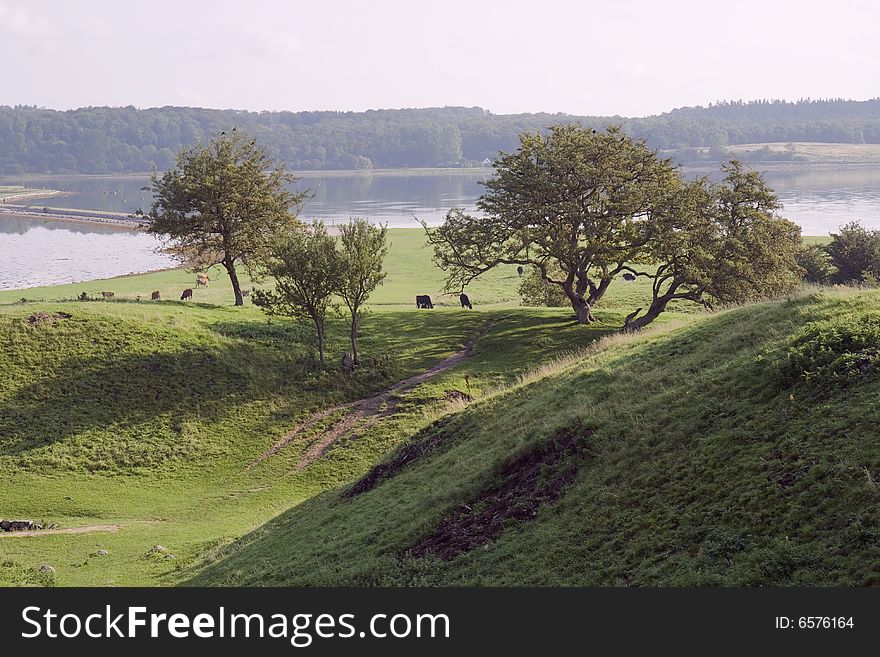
305,266
718,243
576,204
222,204
363,251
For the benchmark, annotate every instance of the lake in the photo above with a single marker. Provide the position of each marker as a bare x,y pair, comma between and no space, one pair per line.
41,253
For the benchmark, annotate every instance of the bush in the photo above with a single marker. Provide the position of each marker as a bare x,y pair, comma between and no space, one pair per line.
833,353
535,291
816,263
855,253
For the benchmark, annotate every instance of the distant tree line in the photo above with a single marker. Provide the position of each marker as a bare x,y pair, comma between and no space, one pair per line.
126,140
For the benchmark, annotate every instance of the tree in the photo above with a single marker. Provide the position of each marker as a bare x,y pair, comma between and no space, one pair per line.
577,201
363,250
855,252
222,204
305,266
719,243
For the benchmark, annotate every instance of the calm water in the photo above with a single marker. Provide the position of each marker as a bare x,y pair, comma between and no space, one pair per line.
37,253
34,253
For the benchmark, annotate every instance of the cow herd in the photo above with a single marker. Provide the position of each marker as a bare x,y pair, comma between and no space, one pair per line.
424,301
202,280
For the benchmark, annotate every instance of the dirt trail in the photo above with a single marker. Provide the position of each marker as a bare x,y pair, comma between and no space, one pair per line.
364,413
86,529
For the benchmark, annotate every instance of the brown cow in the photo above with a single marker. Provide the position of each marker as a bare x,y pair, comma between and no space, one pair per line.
187,294
107,295
155,296
202,280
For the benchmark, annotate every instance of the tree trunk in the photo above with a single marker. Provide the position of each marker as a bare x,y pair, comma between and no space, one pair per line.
354,337
654,310
319,331
581,309
598,291
233,278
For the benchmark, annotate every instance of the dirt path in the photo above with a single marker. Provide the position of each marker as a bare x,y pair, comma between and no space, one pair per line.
86,529
364,413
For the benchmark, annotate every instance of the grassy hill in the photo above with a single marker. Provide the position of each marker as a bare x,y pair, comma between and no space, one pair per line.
695,453
739,449
138,422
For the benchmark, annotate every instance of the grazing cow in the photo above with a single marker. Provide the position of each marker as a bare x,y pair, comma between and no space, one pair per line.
107,294
465,302
187,294
154,296
423,301
520,270
202,280
629,277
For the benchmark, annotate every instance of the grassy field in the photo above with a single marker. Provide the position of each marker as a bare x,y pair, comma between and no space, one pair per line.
409,267
145,416
150,421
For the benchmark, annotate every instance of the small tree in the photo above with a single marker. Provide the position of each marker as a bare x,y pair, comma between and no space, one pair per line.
222,204
306,267
363,250
855,252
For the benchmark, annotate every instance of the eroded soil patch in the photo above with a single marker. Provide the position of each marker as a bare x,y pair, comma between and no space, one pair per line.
521,488
425,443
47,318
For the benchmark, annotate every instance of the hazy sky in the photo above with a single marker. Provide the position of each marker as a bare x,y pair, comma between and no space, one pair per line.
627,57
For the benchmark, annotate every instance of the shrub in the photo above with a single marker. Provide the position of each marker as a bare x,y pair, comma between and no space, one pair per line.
855,253
816,263
833,353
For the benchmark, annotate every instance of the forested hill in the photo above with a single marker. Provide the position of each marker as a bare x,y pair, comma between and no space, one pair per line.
125,139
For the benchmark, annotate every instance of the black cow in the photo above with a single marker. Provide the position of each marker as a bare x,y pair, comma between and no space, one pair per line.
520,270
465,302
423,301
629,277
187,294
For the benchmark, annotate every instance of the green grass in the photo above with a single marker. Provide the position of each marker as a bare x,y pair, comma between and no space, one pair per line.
146,415
408,264
714,460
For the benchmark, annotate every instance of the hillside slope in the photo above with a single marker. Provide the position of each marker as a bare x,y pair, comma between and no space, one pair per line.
740,448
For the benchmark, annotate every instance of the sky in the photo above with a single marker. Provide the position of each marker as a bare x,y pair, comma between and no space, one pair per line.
619,57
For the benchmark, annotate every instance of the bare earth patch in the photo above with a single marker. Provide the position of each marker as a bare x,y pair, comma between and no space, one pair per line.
428,442
85,529
47,318
521,488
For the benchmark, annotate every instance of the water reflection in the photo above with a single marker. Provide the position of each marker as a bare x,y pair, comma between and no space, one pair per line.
34,253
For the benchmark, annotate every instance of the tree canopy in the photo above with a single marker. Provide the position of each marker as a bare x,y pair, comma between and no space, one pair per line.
577,202
363,249
583,206
305,267
223,203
